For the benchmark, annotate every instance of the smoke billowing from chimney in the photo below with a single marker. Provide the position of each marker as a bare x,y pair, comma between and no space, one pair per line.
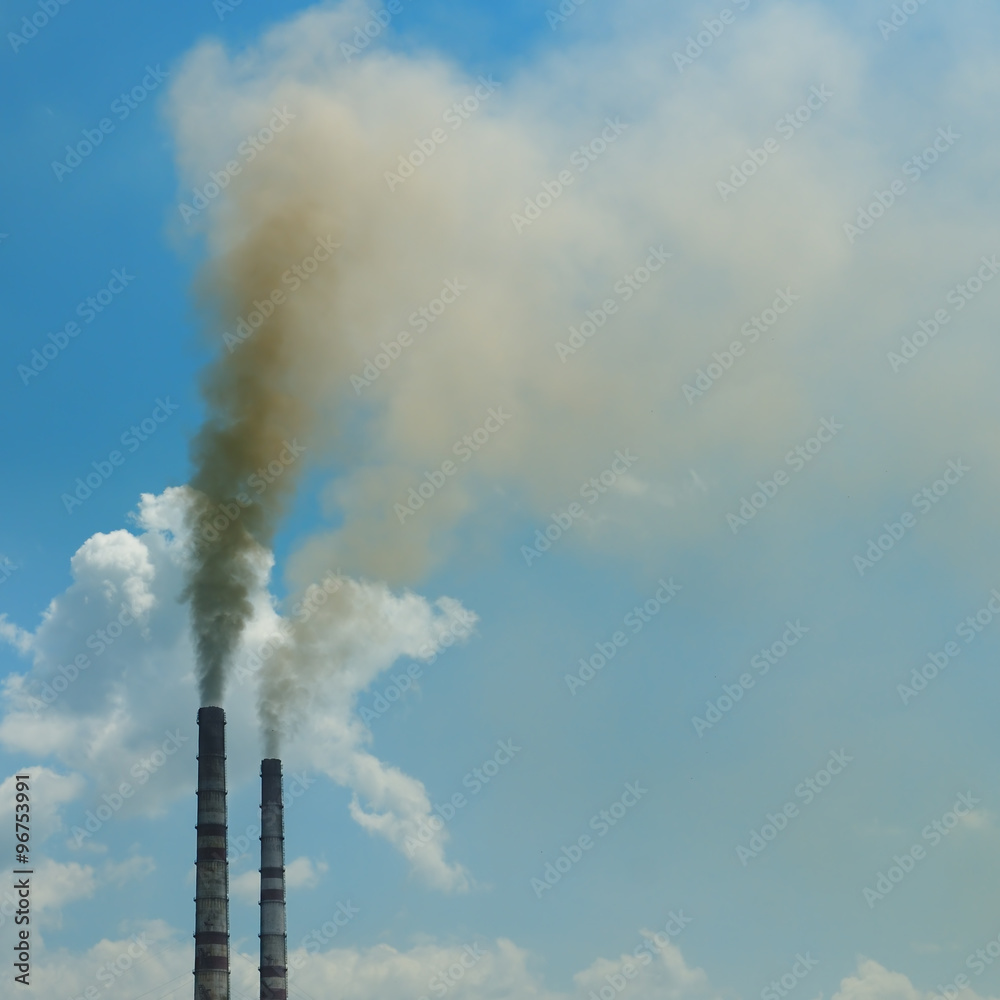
211,928
255,413
444,258
273,941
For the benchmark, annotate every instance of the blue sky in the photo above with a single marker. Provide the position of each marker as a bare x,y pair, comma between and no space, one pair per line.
830,361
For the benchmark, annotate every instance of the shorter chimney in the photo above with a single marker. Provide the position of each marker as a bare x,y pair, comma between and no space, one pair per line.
273,943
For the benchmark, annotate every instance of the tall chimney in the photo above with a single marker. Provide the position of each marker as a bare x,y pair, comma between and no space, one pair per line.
211,914
273,943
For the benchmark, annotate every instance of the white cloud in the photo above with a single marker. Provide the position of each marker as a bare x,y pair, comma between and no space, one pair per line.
152,956
246,887
56,885
132,869
472,970
15,636
303,873
652,973
49,792
874,982
146,958
123,725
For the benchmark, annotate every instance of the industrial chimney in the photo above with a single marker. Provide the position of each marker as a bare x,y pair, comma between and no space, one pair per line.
211,920
273,943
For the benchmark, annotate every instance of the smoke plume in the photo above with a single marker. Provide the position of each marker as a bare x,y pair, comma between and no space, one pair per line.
255,421
557,252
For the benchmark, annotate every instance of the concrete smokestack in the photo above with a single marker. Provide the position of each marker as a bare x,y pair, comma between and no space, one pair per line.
273,943
211,920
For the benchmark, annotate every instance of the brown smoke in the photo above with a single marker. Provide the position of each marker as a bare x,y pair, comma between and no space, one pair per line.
536,268
253,412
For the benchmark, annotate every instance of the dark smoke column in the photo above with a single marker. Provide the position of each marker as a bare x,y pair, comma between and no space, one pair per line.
211,920
273,955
